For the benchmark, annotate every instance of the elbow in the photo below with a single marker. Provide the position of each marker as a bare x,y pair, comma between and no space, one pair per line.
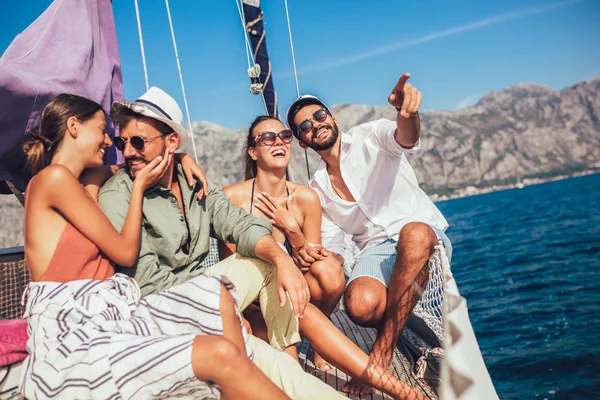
131,257
128,258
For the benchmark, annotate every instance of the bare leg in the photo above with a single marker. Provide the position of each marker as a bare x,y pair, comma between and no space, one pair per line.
259,328
217,359
415,246
326,282
348,357
344,354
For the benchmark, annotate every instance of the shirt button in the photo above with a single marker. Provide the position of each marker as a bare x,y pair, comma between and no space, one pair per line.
181,218
173,200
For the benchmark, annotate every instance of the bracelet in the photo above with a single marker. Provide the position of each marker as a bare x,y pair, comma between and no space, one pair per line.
415,114
299,247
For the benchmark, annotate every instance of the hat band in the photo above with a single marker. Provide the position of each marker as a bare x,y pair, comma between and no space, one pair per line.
154,108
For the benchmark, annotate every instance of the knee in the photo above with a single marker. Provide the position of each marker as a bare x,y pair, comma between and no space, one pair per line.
364,304
417,235
215,357
223,351
329,274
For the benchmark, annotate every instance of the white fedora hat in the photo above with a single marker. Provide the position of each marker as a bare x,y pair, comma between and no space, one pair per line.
157,104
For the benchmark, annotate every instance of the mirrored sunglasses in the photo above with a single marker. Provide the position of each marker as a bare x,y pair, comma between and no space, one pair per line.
269,138
137,142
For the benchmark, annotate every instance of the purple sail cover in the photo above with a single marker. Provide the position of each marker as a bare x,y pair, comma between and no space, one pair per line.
70,48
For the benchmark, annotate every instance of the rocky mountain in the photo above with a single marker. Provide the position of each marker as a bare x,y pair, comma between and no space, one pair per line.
521,132
524,131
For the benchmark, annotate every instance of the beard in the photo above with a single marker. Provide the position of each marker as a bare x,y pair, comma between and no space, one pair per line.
327,143
138,157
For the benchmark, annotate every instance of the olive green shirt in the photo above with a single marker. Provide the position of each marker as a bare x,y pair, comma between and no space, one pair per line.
162,262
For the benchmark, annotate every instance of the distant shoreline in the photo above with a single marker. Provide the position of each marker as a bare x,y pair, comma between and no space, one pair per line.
474,191
12,211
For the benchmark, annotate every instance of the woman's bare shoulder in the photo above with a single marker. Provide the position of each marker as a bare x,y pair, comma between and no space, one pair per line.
52,178
303,194
238,192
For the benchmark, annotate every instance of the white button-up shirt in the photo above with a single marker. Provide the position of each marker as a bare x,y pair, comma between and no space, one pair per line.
383,183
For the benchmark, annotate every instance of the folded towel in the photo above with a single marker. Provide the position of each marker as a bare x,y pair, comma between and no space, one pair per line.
13,341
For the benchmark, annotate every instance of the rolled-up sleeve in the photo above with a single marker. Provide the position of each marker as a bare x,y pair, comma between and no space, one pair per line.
233,224
332,236
384,131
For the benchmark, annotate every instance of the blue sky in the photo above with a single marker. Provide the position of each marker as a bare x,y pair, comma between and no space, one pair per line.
349,51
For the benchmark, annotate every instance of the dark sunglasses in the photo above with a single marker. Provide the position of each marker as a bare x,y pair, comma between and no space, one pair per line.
137,142
269,138
306,125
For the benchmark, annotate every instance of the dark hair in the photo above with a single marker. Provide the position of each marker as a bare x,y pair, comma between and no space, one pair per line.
49,134
122,115
249,163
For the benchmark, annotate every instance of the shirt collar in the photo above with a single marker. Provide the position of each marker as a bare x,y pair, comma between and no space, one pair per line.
178,171
320,174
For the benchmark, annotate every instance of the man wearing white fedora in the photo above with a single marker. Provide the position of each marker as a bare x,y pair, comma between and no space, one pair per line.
178,219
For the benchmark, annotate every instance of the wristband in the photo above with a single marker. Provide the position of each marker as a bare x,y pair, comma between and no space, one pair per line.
415,114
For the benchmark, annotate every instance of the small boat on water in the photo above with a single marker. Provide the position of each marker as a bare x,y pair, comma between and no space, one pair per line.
72,47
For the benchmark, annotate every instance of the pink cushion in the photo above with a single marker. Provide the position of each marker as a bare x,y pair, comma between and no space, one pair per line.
13,341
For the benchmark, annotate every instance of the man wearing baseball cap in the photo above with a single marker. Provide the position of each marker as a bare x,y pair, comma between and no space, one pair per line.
368,189
176,231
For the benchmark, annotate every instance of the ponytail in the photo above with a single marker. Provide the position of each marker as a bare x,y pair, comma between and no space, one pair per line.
48,136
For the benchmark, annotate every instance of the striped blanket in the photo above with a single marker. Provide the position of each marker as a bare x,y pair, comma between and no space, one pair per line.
98,339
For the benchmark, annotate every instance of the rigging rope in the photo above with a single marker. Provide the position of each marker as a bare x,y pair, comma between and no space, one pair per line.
243,21
139,24
256,86
287,16
187,111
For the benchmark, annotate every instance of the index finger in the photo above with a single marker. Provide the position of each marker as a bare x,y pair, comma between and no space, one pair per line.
314,253
202,178
295,302
402,81
162,166
267,205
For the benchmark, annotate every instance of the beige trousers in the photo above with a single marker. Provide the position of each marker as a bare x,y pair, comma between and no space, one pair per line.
254,278
286,373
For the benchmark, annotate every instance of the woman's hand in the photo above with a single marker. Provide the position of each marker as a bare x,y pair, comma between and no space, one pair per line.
192,171
307,254
281,216
154,170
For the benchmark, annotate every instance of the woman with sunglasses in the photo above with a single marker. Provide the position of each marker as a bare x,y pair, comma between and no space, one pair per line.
91,336
295,212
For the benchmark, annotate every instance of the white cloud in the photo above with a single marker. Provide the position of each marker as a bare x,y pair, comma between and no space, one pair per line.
431,37
467,101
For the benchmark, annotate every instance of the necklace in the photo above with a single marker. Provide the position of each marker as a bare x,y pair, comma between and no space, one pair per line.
276,195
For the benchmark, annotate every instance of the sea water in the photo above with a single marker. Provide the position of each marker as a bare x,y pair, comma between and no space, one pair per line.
527,262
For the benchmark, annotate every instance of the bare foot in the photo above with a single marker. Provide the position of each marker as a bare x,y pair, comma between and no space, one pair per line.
321,363
355,386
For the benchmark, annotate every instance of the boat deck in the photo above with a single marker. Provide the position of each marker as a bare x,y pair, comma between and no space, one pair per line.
14,277
364,338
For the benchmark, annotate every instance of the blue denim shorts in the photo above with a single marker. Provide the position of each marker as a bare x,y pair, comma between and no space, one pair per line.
378,261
